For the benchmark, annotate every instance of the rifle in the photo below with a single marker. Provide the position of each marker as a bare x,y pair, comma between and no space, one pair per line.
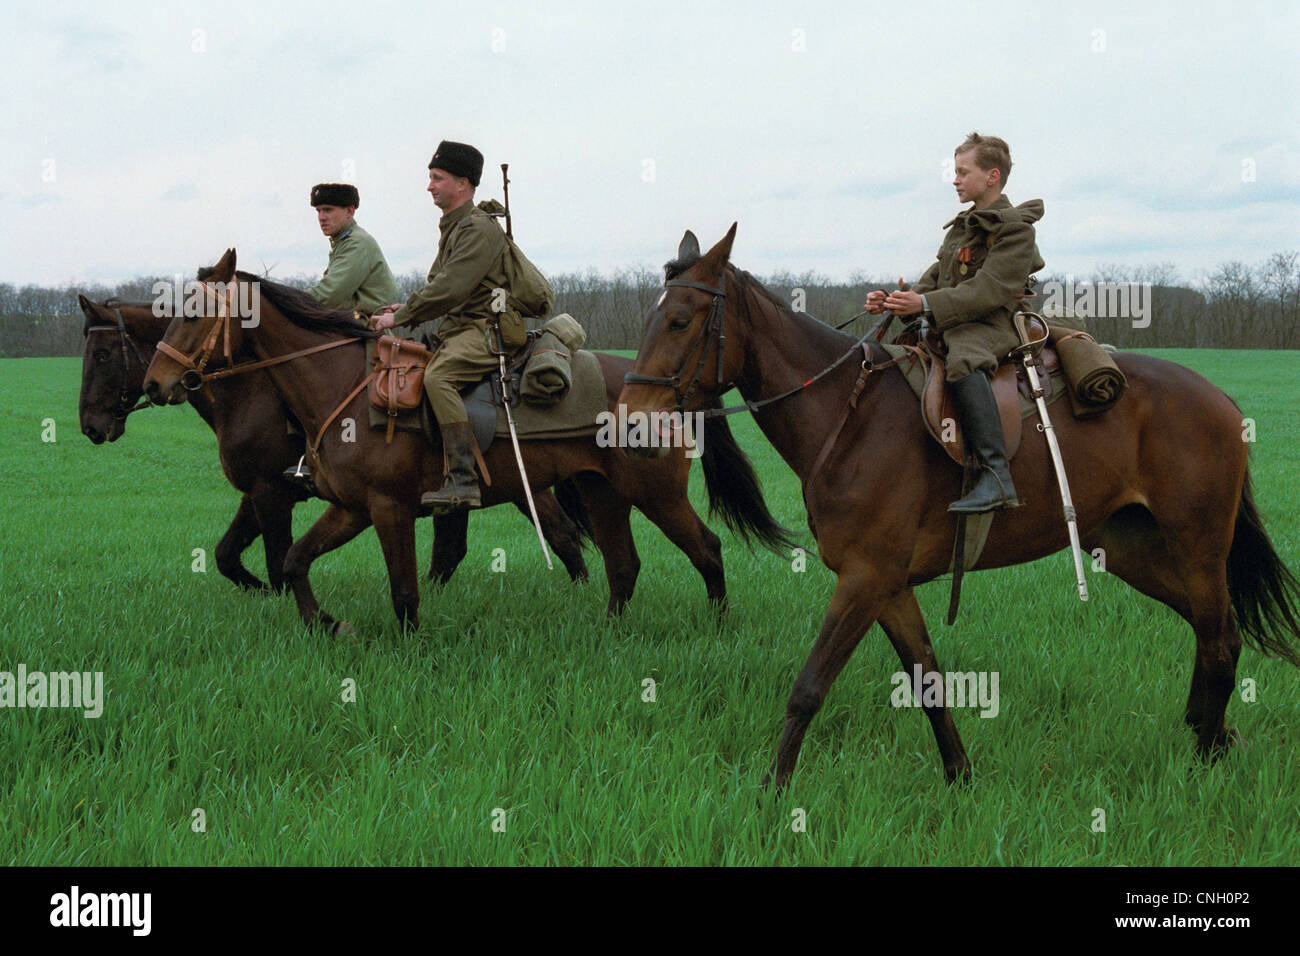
500,352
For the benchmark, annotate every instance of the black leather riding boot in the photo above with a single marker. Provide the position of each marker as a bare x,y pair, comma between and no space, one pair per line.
982,432
460,490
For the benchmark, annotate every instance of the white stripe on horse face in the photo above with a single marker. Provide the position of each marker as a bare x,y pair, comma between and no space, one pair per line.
660,300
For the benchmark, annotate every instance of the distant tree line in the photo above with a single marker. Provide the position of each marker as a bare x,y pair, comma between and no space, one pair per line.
1234,306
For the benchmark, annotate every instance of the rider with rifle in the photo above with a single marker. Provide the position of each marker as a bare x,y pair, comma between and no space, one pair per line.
467,285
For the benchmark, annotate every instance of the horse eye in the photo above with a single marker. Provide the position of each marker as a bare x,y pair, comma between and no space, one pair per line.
679,321
101,355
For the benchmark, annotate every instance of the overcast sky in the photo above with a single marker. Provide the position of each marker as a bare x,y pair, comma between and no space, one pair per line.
146,138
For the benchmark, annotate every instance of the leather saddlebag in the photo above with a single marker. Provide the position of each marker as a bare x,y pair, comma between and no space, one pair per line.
398,385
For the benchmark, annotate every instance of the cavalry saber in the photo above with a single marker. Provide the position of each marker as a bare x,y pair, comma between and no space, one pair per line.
519,459
1071,521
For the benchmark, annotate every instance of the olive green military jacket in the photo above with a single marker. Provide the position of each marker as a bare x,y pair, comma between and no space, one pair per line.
998,246
471,249
357,276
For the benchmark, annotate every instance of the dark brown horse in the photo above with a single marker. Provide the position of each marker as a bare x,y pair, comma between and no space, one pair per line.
255,448
1159,481
370,482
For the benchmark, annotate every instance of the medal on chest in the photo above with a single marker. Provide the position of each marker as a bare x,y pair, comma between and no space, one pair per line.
963,256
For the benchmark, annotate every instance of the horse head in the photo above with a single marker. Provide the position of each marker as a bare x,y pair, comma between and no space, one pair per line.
206,335
683,363
112,370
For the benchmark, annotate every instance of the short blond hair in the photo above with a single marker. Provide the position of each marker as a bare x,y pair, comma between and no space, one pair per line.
990,153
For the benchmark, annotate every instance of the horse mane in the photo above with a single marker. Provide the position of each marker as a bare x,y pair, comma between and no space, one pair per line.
302,309
675,267
749,284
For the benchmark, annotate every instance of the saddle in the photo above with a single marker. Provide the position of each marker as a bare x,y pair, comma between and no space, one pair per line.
1009,382
397,390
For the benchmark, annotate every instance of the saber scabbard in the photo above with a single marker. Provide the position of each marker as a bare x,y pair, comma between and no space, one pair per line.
1067,502
519,456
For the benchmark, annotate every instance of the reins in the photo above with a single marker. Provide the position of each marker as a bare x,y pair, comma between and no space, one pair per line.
714,324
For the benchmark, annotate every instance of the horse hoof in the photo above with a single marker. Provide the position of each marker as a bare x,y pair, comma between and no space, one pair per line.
344,629
959,775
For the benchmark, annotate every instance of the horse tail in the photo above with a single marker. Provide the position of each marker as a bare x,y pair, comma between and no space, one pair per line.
1265,594
734,490
566,493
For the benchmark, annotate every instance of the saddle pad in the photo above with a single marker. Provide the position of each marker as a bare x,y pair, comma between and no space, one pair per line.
573,415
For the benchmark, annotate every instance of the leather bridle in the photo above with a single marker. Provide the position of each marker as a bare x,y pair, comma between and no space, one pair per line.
713,327
195,364
195,375
714,324
123,407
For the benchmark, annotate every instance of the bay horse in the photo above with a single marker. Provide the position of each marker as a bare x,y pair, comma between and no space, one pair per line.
1160,482
369,482
255,448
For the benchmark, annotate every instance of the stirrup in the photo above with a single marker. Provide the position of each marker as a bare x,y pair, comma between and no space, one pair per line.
300,475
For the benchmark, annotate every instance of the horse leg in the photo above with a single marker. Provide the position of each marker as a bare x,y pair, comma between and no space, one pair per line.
905,627
449,544
394,522
274,505
611,527
677,519
243,531
1193,584
852,610
335,528
560,532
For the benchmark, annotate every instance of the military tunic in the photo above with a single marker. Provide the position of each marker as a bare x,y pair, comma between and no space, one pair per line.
357,276
456,306
974,309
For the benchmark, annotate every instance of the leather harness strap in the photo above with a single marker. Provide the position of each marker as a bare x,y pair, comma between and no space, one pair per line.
334,414
252,366
868,366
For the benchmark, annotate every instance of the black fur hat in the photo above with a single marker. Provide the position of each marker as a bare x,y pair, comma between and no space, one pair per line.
459,159
335,194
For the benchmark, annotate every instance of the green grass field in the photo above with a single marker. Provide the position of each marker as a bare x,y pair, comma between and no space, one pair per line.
517,703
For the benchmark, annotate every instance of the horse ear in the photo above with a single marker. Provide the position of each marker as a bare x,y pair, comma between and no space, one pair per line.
86,305
224,270
717,257
689,249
